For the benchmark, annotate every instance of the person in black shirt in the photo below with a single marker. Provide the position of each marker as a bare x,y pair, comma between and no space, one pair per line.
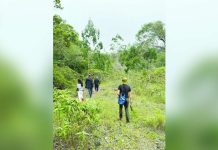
89,85
124,88
96,82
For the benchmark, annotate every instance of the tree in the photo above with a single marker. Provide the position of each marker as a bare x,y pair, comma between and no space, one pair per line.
141,58
148,51
150,55
153,35
91,36
64,36
57,4
100,61
132,58
74,59
117,43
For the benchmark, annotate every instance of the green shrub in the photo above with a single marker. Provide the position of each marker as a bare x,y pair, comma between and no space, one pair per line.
73,121
156,75
64,77
154,81
152,84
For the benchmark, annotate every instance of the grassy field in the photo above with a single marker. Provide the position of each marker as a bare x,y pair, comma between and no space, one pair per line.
146,127
94,124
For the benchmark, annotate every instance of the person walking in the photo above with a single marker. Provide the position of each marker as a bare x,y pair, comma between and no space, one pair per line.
124,95
96,83
89,85
80,90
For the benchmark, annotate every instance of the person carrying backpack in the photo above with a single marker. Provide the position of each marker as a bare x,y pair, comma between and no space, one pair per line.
124,95
89,85
96,83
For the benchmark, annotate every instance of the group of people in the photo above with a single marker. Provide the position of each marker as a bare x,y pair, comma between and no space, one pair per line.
89,84
123,93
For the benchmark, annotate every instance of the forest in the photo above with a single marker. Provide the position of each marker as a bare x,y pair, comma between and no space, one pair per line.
93,124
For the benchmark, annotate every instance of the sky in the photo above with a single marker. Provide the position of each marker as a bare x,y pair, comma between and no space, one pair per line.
26,38
111,17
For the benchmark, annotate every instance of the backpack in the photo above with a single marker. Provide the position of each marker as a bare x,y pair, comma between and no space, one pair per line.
122,97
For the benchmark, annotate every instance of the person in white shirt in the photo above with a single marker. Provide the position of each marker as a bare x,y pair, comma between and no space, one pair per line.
80,90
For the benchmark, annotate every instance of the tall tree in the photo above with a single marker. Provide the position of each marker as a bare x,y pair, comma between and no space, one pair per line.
132,58
64,36
68,50
117,43
91,36
138,57
153,35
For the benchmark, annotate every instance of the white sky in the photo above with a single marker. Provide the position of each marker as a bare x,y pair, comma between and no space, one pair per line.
124,17
26,38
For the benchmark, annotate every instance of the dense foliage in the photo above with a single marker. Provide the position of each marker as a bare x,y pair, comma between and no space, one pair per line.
73,121
74,58
148,51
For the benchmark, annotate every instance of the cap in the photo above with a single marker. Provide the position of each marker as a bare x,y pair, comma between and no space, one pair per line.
124,79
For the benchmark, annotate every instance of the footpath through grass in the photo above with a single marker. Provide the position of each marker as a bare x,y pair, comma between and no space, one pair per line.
145,130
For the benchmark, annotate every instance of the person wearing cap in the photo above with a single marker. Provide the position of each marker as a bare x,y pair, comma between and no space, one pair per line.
124,88
89,85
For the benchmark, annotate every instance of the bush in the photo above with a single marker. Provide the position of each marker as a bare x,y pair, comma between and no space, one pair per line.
156,75
74,121
160,59
155,84
64,77
152,84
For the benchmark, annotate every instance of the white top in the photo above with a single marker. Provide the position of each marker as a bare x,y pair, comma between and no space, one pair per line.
80,88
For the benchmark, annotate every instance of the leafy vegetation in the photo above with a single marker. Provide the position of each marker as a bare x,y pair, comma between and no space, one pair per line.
148,51
71,119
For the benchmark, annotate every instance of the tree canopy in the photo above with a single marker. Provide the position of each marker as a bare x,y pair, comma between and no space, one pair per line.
117,43
149,49
152,34
91,36
74,57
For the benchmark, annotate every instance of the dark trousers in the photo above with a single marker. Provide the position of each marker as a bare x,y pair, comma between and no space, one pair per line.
96,88
90,92
126,104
